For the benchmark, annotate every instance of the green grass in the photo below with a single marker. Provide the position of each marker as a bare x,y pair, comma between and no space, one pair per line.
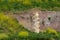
10,29
21,5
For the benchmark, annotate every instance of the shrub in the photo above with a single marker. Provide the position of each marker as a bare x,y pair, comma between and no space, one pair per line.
8,23
3,35
27,2
23,34
51,31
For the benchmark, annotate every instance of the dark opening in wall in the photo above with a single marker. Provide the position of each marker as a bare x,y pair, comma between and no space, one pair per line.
43,23
49,18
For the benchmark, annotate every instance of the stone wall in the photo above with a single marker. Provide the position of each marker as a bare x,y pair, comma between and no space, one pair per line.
46,19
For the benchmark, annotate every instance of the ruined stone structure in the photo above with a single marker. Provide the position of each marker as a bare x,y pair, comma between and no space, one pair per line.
36,20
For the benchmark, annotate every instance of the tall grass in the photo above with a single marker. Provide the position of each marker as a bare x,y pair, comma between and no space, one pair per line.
18,5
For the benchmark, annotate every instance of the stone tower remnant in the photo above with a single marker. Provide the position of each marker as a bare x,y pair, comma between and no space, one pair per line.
35,22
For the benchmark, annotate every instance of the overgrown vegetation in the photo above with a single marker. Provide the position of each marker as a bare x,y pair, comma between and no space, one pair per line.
10,29
19,5
9,26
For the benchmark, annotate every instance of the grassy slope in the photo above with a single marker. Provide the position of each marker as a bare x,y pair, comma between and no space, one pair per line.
19,5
